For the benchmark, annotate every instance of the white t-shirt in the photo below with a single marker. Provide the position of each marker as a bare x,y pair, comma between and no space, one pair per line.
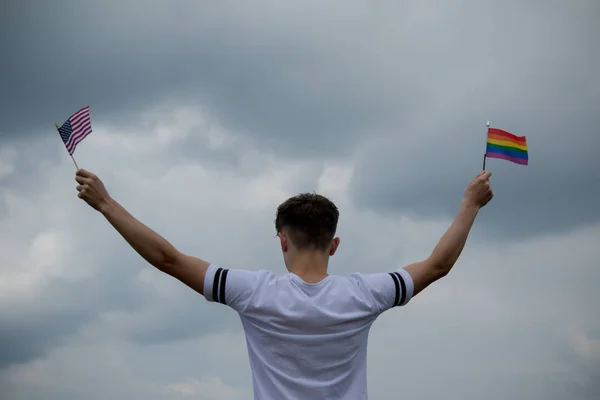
307,341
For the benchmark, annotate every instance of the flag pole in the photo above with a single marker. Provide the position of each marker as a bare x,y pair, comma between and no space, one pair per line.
485,154
74,162
72,158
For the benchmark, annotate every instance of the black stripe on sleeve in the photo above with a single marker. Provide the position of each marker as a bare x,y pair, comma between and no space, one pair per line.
403,287
397,289
216,284
222,287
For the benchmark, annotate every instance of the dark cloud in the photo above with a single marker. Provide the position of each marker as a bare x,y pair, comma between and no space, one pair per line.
307,83
257,76
29,336
537,80
556,191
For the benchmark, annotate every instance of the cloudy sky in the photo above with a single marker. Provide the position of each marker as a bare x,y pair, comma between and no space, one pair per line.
207,116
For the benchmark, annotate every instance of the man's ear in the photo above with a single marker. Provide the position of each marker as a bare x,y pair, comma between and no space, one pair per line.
334,245
283,240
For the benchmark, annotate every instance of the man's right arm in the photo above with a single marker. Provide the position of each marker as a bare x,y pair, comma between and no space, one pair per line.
154,248
450,246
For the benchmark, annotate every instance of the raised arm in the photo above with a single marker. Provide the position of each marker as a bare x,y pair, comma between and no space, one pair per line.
150,245
450,246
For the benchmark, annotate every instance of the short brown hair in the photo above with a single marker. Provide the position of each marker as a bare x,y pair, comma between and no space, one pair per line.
310,220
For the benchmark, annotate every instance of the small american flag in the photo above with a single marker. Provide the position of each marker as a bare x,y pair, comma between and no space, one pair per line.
75,129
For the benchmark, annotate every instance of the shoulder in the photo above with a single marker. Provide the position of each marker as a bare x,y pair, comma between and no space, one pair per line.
386,289
234,287
363,281
354,285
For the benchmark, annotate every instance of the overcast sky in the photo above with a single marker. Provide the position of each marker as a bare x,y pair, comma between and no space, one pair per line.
207,116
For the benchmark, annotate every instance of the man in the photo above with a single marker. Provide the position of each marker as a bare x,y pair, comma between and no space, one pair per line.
307,330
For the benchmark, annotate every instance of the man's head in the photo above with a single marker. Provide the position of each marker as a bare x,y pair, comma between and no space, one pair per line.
307,222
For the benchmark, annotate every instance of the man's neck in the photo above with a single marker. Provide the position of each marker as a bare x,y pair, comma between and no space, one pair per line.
311,267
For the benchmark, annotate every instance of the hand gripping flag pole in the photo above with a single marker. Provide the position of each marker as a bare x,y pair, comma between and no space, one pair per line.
74,130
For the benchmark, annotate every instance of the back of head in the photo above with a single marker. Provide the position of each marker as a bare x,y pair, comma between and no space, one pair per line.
309,220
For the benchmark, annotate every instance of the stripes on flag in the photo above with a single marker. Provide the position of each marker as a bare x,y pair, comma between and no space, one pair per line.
75,129
506,146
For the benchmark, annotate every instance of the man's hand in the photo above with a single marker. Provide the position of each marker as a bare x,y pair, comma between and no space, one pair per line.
479,191
92,190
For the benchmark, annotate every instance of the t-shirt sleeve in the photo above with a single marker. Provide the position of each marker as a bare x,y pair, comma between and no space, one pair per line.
388,289
231,287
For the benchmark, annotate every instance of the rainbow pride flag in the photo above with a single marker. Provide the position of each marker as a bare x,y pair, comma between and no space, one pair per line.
506,146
